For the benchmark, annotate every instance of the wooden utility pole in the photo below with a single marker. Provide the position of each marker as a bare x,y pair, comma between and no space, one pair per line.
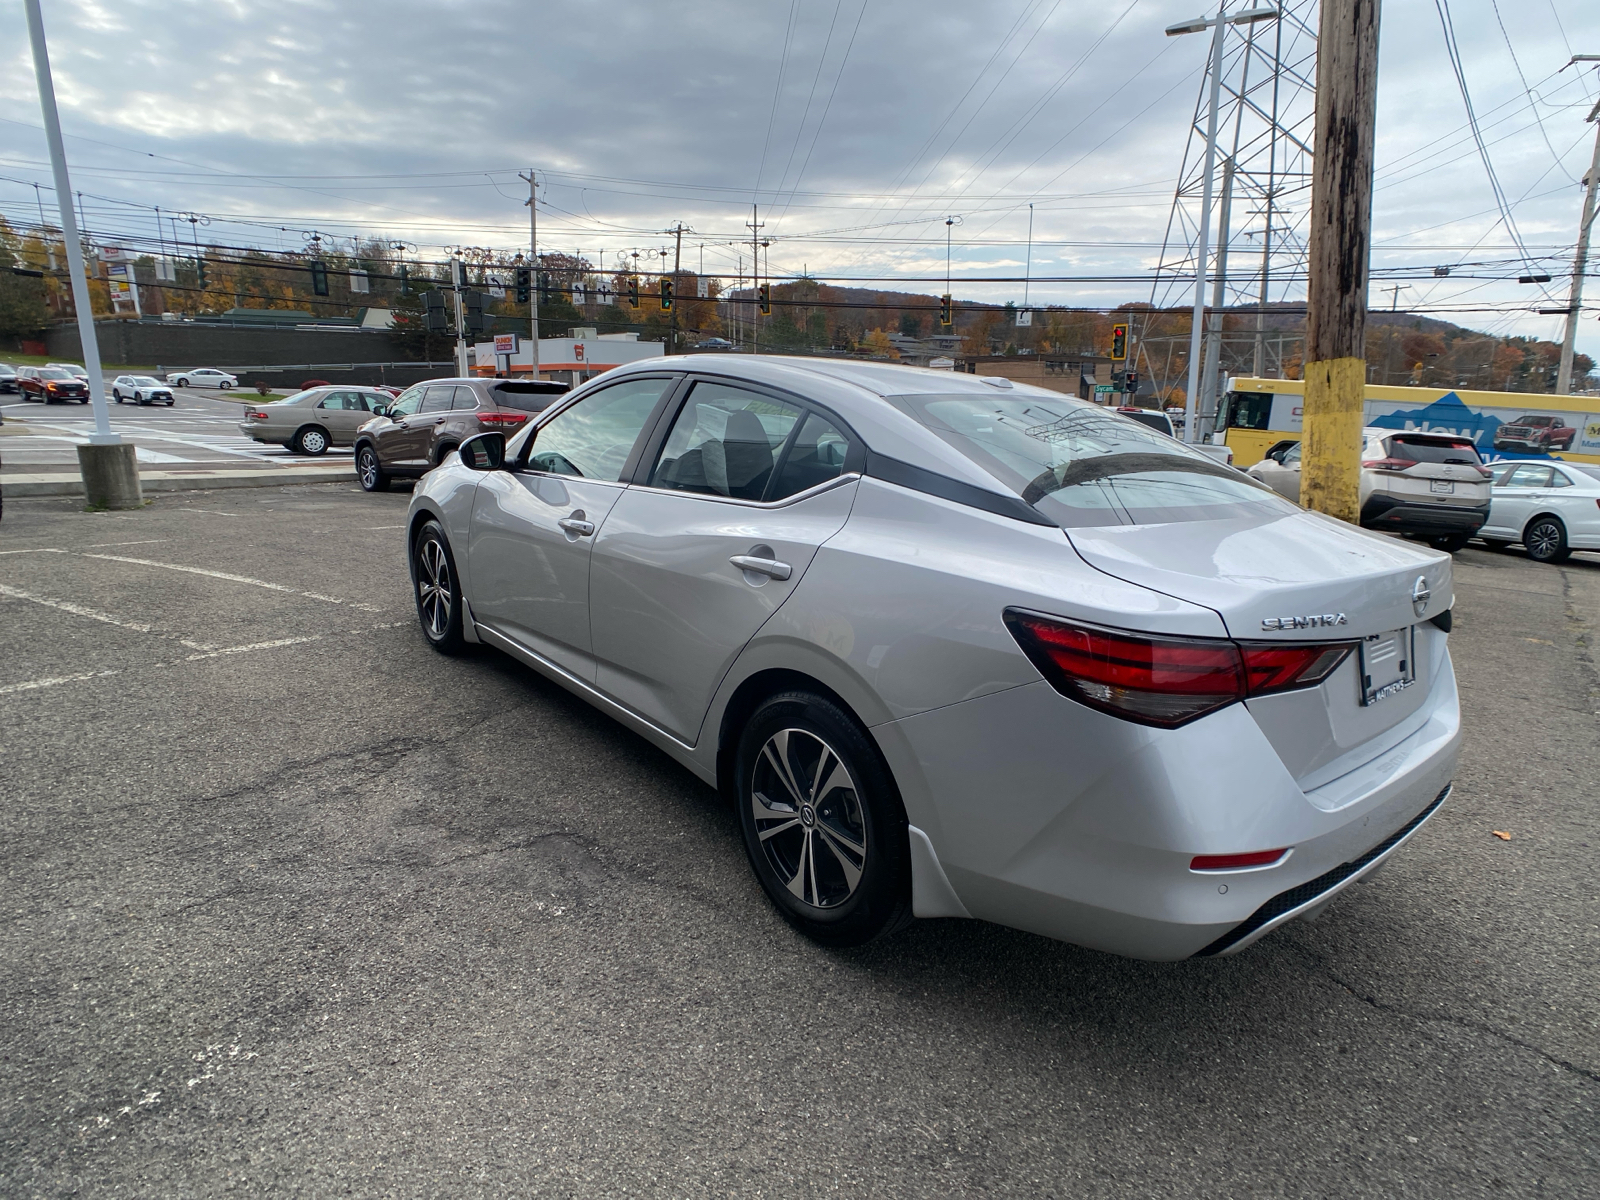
677,260
1337,258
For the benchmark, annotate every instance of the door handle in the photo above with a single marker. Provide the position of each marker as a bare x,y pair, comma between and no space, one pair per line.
576,526
762,566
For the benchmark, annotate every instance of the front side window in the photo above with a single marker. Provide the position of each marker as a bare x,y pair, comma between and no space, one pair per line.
595,436
410,400
437,399
1529,476
725,442
1080,465
1249,410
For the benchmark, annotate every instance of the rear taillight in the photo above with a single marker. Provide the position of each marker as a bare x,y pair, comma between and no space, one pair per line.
502,418
1486,472
1165,681
257,416
1388,464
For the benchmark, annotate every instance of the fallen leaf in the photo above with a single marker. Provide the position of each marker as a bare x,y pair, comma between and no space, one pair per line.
1501,834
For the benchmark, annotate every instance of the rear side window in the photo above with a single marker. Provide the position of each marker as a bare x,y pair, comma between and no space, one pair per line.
1529,476
1078,465
815,456
725,442
466,397
1426,450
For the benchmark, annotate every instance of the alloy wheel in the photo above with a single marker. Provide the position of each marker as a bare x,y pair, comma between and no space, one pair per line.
369,469
1544,541
808,818
433,588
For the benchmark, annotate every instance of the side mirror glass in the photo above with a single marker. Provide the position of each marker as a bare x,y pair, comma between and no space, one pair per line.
486,452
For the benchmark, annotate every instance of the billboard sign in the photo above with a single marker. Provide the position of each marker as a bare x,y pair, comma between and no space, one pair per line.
505,343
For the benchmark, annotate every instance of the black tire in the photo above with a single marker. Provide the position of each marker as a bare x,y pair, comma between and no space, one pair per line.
369,470
224,385
83,399
444,452
170,403
311,440
183,383
805,845
116,395
1545,539
144,401
437,592
1450,542
1495,543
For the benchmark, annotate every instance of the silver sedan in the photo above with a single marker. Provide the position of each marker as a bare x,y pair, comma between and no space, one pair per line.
311,421
958,648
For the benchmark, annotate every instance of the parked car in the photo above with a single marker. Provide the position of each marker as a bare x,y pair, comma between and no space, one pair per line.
1551,508
309,422
958,647
1432,485
8,378
203,377
141,389
76,370
50,384
1535,434
714,343
423,427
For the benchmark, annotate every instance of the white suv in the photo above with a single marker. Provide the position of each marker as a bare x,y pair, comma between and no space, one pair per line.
202,377
1430,484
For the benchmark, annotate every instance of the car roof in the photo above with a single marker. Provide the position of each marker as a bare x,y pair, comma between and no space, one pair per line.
1437,435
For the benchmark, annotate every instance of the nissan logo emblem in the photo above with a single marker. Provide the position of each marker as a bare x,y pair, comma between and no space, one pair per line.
1420,595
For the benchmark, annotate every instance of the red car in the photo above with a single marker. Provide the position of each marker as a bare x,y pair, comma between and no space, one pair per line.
50,384
1535,434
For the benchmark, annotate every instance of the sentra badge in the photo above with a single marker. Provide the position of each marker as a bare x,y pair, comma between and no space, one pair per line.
1314,621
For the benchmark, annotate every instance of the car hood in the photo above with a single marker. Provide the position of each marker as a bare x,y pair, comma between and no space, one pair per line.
1254,573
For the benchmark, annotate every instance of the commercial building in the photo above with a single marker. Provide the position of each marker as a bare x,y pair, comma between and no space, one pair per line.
567,360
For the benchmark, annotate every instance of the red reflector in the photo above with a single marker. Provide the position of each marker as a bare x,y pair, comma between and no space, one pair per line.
1235,862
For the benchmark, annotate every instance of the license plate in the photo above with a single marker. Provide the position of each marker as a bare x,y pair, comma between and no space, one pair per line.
1387,665
1444,487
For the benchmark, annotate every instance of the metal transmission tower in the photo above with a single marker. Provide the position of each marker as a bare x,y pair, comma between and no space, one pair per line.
1265,108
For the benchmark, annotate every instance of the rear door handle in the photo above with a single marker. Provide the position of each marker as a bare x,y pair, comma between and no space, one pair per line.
577,526
762,566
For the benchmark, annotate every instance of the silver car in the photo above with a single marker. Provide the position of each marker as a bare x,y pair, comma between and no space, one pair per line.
954,647
1551,507
309,422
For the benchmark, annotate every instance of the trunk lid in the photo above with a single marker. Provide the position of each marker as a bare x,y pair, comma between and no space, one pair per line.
1303,577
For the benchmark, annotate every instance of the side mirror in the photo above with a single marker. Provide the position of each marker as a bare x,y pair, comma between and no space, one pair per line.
486,452
380,410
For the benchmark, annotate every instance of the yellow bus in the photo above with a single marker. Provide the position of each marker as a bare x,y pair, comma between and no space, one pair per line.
1259,413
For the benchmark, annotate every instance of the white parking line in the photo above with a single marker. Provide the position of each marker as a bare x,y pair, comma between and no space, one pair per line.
103,545
295,641
31,684
76,610
261,583
40,550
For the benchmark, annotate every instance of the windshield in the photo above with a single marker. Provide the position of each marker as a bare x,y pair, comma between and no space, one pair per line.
54,373
145,381
1533,422
1080,465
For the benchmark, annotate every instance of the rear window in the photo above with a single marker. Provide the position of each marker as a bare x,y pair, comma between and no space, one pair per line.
1430,450
1080,465
1160,422
529,396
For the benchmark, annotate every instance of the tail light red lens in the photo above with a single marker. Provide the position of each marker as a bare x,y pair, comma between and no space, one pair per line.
1165,681
1235,862
257,416
492,419
1388,464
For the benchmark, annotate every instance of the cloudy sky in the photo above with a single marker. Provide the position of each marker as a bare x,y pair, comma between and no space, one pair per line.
860,126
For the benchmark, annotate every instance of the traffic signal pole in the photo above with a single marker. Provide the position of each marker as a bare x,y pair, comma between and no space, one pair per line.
458,279
1337,258
110,470
533,266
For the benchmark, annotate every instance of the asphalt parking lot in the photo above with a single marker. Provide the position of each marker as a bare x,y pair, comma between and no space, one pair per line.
295,905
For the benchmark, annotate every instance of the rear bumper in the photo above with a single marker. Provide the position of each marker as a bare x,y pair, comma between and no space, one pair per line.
1385,512
1058,820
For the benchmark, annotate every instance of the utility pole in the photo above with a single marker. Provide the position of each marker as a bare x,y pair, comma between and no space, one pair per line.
1580,257
109,468
1212,386
533,265
677,260
458,281
755,225
1337,258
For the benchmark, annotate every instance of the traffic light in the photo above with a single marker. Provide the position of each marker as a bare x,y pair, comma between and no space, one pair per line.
319,279
633,290
764,296
666,294
1130,382
946,317
434,317
524,285
1119,343
200,274
405,281
472,314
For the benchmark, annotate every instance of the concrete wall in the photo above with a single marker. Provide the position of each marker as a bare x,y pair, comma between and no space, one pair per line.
354,356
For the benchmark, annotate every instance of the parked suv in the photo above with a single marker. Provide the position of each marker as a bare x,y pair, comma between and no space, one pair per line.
8,378
1433,485
51,384
1535,434
424,426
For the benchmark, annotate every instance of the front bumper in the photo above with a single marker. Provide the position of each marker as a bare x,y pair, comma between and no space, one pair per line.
1059,820
1396,516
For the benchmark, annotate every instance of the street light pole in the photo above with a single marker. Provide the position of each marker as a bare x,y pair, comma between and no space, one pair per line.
533,265
110,470
1217,24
